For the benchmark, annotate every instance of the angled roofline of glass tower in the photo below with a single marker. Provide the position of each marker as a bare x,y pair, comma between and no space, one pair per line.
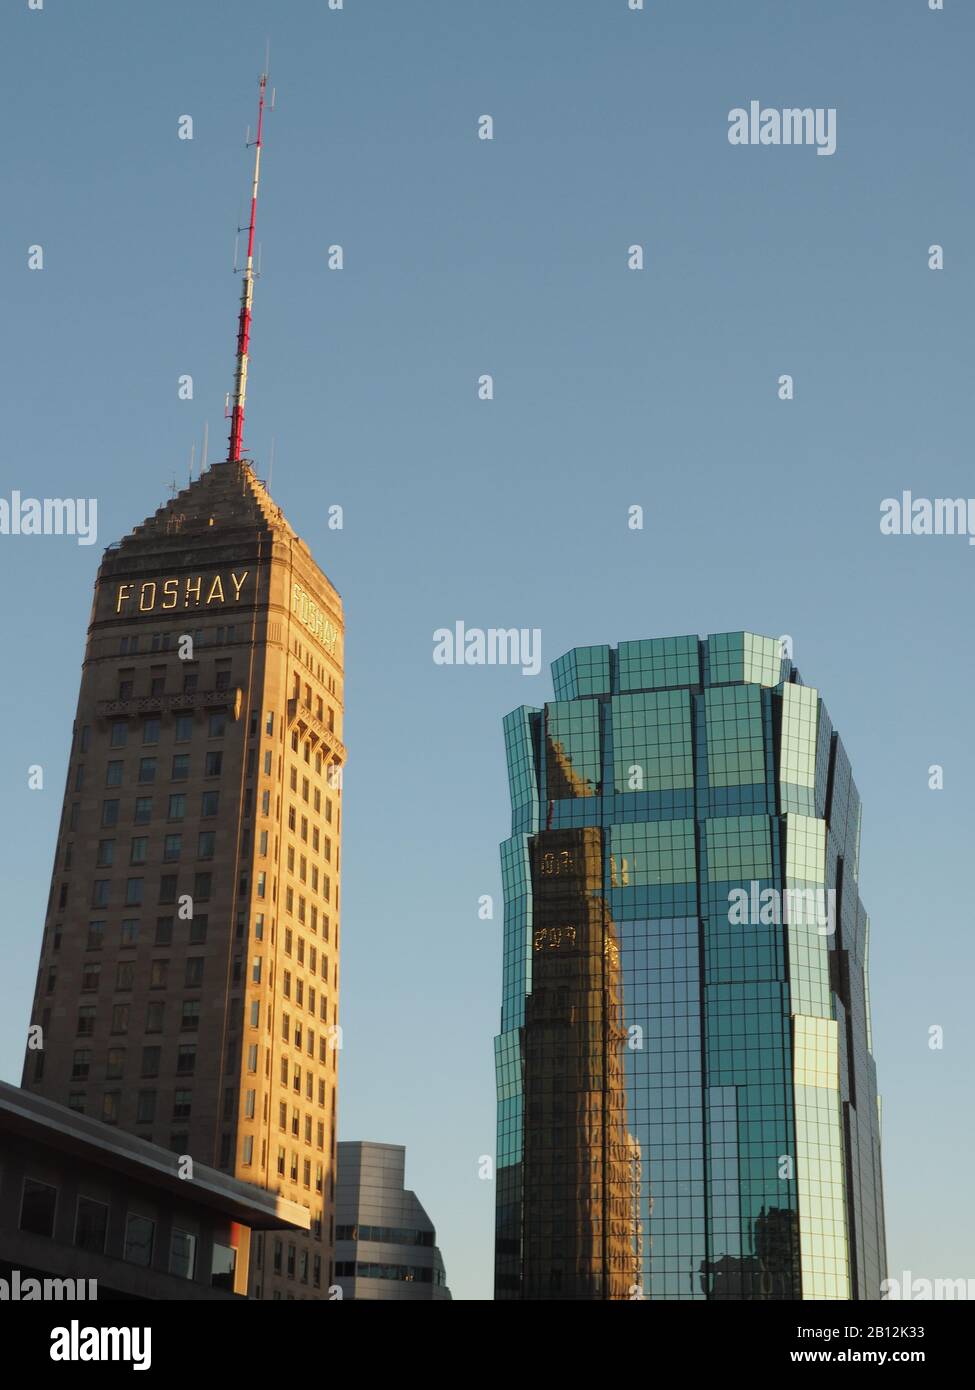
687,1096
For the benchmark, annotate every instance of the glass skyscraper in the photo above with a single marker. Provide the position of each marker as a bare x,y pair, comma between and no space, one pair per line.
687,1097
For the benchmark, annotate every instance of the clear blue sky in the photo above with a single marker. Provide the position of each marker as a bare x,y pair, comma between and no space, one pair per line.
612,388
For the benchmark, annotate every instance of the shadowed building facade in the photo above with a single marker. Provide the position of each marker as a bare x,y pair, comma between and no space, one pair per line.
687,1099
188,981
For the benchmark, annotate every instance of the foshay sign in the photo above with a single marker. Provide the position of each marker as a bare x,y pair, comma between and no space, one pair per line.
191,591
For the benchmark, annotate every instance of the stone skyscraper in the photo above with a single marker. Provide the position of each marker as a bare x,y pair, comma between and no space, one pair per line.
687,1097
188,979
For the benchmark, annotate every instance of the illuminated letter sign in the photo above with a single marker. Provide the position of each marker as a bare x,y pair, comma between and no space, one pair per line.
152,595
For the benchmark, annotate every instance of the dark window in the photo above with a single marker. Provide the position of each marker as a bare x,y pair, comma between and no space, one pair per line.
139,1235
91,1225
37,1208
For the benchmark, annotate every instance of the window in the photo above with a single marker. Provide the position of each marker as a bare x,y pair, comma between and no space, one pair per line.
106,853
181,767
99,892
81,1064
194,972
247,1154
182,1103
157,685
110,1101
252,1058
206,844
115,1066
213,764
186,1059
150,1059
256,970
145,1105
143,810
198,928
164,931
120,1018
133,892
157,974
86,1020
113,774
223,1265
267,762
191,681
37,1206
154,1016
167,888
217,724
90,975
130,934
223,678
120,733
140,1234
190,1020
147,769
150,730
172,847
182,1254
250,1102
139,850
90,1225
210,804
177,806
184,728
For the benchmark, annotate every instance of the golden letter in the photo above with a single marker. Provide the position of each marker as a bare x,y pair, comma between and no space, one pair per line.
147,607
238,583
124,590
170,587
193,587
215,588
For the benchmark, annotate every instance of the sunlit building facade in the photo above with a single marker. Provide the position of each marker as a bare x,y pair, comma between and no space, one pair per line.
187,989
687,1098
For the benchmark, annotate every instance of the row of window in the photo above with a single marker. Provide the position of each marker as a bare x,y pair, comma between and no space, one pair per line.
152,728
155,1011
151,1062
172,845
148,768
366,1269
294,1264
101,890
91,972
387,1235
38,1208
157,679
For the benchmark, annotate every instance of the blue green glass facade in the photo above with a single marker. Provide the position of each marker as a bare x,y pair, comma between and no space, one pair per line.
687,1098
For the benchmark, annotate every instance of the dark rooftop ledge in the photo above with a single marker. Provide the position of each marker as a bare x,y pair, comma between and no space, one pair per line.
44,1122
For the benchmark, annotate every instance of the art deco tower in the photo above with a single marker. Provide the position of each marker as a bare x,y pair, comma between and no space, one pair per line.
188,980
687,1097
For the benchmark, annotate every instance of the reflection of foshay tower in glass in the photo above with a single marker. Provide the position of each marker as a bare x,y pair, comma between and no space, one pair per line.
579,1159
188,978
725,1051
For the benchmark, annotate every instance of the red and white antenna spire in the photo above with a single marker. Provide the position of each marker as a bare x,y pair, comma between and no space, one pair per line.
236,409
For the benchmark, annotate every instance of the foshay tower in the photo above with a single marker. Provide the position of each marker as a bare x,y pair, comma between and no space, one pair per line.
188,979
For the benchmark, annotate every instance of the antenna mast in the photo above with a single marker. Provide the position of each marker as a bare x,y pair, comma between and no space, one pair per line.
236,410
